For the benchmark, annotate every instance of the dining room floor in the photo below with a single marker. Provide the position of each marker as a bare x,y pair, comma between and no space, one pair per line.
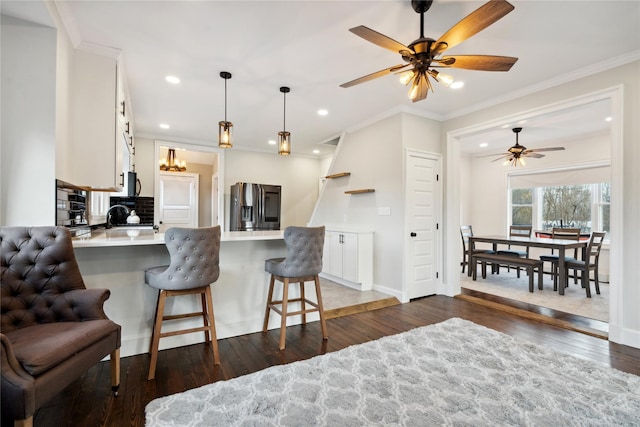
340,300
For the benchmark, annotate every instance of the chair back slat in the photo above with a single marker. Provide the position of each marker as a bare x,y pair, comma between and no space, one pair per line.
595,243
520,231
565,233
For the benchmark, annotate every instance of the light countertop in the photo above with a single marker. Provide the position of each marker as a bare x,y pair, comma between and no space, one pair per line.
132,237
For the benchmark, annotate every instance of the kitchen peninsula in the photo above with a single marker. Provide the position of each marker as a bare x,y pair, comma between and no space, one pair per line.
116,260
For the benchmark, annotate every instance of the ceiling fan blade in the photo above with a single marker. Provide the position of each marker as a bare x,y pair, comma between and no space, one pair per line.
536,150
473,23
495,154
506,156
534,155
477,62
379,39
374,75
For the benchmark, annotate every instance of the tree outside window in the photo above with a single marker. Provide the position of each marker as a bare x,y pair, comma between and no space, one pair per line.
585,206
567,206
522,206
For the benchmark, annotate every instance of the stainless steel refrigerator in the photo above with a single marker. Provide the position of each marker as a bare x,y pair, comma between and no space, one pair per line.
254,207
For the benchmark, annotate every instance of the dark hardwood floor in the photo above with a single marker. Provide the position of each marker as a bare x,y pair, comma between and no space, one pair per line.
88,401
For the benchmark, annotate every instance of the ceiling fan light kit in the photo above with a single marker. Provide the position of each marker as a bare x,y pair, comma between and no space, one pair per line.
515,155
225,128
284,137
423,54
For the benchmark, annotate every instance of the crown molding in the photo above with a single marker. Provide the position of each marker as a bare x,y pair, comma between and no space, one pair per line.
565,78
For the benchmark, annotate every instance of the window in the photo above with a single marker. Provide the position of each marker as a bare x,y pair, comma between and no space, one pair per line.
522,206
584,206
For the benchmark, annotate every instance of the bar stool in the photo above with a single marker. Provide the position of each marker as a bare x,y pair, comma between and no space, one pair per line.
302,264
194,265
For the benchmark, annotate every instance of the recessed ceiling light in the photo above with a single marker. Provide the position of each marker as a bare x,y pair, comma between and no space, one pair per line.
322,112
272,142
456,85
172,79
316,151
164,126
484,144
608,119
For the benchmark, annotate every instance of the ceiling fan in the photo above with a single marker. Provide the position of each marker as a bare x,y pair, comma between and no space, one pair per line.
517,153
423,54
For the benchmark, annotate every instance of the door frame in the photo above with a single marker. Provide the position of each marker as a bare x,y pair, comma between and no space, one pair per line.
197,148
437,157
616,279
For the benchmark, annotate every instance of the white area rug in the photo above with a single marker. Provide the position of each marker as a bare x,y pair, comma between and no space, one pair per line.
451,373
575,301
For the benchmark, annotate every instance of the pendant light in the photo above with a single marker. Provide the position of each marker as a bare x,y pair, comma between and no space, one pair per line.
225,128
284,137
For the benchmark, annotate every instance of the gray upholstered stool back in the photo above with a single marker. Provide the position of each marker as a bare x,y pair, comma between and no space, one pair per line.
195,259
304,253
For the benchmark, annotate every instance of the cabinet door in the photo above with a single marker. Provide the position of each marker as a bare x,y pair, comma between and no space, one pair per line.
335,253
95,140
350,257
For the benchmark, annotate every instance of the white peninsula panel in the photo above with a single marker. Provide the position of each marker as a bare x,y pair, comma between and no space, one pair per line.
239,294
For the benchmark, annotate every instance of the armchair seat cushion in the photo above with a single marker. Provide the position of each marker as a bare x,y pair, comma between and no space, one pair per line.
42,347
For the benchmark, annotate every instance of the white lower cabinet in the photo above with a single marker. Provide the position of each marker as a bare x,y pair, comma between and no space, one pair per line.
348,258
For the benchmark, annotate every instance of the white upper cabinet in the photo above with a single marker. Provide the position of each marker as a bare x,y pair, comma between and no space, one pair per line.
100,147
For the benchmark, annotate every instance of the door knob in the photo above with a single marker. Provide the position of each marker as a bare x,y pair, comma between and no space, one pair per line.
413,234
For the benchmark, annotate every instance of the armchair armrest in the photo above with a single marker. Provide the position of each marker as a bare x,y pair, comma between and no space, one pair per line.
88,303
18,387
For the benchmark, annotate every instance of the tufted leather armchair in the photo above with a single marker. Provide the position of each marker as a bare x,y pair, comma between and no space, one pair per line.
53,328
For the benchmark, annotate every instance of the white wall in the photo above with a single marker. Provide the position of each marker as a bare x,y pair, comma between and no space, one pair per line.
28,146
64,86
487,204
624,325
381,168
297,175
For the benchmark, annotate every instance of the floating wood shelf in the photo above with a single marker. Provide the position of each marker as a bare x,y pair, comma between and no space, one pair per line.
338,175
364,190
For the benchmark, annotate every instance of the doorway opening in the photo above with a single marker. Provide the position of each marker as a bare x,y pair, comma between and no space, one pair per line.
455,163
208,163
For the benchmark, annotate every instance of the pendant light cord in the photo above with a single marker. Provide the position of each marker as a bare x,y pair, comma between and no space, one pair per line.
225,100
284,113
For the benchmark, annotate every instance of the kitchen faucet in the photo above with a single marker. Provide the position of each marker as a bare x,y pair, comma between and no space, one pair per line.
108,217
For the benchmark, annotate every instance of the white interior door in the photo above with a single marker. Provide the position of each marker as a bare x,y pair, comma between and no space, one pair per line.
178,200
423,198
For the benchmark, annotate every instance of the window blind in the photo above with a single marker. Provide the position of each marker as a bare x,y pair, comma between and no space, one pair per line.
570,176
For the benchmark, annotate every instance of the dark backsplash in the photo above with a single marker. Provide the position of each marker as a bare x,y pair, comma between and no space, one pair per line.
142,205
71,205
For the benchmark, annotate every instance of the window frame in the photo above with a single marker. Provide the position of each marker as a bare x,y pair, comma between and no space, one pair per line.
537,199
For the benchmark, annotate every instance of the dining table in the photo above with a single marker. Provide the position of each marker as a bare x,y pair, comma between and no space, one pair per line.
560,245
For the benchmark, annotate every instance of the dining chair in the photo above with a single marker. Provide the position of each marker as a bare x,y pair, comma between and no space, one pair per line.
517,231
466,231
562,234
589,263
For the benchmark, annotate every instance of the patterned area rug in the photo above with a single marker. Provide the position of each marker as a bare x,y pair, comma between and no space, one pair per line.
451,373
